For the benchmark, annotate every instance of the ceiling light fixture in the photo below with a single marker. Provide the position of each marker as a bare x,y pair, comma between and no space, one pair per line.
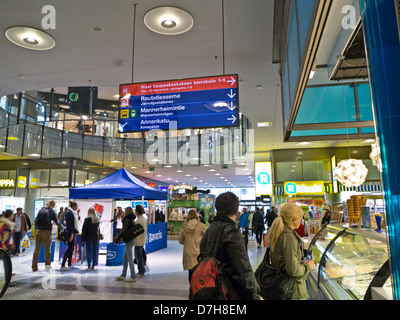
30,38
168,20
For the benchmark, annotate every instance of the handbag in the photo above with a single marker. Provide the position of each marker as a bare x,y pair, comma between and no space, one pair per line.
99,235
274,284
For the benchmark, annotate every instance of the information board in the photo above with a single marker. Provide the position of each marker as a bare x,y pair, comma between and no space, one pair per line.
192,103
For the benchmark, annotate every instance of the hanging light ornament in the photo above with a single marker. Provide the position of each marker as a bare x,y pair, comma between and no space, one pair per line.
374,156
351,172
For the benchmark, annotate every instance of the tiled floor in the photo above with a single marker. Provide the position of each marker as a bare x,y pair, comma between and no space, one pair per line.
165,281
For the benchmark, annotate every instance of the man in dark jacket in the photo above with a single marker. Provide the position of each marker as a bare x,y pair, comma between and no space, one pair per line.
231,250
258,225
43,234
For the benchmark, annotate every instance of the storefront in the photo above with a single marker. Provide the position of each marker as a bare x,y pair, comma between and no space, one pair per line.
183,198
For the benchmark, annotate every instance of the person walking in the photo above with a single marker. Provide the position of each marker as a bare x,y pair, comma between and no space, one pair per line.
286,253
127,234
140,240
43,234
71,224
258,226
190,237
6,231
244,225
231,251
21,227
90,231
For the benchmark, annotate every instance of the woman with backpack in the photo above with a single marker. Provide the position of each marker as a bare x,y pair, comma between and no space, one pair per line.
90,231
190,236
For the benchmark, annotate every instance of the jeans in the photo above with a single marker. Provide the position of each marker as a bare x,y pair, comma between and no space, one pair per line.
91,252
42,236
259,235
69,252
139,258
17,241
128,259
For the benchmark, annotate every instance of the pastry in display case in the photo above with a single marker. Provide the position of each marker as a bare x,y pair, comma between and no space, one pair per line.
348,261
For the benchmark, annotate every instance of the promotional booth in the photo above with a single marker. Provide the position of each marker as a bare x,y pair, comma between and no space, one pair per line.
121,185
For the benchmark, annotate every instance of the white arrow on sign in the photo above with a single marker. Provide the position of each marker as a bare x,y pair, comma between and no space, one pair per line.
233,119
231,95
232,107
232,81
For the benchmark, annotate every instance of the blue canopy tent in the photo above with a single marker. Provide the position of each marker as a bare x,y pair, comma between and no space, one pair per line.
119,185
122,185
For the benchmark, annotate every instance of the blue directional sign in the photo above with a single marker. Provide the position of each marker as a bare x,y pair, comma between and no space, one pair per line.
191,103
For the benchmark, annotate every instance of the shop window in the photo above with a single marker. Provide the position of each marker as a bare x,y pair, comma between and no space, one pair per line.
80,178
316,170
59,177
289,171
327,104
41,175
4,174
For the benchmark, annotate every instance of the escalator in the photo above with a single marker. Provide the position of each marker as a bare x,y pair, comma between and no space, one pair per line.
5,271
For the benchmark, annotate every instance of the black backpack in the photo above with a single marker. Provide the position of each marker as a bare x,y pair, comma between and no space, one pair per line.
42,220
208,280
63,235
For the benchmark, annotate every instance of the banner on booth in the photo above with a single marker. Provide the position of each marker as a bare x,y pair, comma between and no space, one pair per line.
156,237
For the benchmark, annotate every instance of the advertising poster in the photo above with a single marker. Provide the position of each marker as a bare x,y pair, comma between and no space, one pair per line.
104,209
156,237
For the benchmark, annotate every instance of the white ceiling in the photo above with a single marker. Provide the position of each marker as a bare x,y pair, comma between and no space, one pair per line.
105,58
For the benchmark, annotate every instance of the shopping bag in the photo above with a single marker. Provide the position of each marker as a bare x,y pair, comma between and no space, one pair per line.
265,243
26,243
83,254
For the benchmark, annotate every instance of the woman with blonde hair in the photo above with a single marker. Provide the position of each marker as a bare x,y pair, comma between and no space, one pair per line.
190,236
286,252
90,230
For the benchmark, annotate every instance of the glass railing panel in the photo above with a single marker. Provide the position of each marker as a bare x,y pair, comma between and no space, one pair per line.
72,145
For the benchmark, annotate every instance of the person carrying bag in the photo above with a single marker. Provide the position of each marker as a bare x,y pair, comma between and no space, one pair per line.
283,273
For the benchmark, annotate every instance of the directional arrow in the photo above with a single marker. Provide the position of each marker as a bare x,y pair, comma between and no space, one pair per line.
231,95
233,119
232,81
232,107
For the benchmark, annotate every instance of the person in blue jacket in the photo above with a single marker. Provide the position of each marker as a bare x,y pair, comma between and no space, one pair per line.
244,225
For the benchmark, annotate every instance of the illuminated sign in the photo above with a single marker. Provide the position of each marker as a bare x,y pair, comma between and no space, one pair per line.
34,183
334,180
7,183
263,178
183,186
304,188
191,103
21,182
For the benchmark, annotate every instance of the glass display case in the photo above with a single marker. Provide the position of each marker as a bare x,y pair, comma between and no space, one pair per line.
351,263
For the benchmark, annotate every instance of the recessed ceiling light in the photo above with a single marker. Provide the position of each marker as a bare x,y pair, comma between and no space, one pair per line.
264,124
30,38
305,143
168,20
178,171
97,29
